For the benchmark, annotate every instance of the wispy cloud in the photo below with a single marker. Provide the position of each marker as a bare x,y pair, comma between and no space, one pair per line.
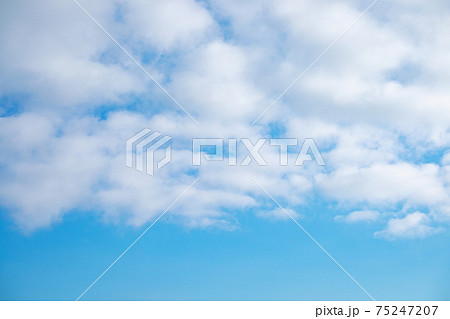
358,216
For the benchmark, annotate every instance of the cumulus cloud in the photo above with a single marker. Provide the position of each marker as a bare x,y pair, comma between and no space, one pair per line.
52,57
414,225
376,106
386,183
166,25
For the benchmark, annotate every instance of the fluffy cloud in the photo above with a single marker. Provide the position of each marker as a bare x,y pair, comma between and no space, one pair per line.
376,106
414,225
380,183
53,57
165,25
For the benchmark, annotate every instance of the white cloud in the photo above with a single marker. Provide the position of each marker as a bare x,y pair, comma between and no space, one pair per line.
215,80
376,104
166,24
359,216
446,159
53,55
414,225
386,183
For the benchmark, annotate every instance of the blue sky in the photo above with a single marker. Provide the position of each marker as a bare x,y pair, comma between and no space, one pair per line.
264,260
376,105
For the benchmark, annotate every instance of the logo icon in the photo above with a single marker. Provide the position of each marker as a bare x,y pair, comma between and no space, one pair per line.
141,149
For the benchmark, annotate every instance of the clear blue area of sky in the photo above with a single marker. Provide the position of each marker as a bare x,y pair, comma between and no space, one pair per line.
262,260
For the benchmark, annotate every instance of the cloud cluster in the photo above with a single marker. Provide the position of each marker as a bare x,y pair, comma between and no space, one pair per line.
414,225
376,105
